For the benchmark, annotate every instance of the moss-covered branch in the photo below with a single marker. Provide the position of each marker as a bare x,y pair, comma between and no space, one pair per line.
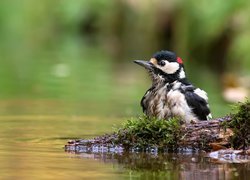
151,134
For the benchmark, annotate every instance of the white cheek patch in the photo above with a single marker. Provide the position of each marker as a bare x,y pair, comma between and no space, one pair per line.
170,67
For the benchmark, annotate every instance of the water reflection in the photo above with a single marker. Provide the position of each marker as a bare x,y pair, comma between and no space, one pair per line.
169,165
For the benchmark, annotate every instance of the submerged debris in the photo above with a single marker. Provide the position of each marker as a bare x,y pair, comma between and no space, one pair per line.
101,144
229,156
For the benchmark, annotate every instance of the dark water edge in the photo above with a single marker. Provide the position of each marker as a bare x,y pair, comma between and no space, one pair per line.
169,165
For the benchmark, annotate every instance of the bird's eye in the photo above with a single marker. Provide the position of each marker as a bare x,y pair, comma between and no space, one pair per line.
162,63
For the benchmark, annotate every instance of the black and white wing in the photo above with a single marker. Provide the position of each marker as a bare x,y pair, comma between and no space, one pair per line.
198,101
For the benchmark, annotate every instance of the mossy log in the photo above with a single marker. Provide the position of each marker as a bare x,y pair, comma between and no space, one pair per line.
203,135
151,135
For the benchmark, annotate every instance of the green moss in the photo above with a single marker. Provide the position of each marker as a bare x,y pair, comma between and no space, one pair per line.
240,124
146,132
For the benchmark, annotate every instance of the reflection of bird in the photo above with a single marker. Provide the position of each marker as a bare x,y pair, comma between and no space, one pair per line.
171,94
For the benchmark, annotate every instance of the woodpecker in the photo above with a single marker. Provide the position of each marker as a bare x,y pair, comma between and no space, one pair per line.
171,94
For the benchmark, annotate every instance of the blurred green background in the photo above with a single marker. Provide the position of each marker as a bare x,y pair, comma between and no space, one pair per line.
75,57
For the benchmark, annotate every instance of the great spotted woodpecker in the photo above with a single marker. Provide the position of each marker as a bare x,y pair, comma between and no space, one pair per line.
171,94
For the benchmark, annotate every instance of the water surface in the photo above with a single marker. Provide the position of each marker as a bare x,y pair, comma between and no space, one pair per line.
32,147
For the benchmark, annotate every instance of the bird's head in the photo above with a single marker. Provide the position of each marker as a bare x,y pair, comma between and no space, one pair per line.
164,65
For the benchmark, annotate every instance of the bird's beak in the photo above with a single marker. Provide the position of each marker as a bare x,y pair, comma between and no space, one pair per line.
146,64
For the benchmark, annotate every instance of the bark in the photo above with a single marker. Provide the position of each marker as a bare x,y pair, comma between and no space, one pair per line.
206,135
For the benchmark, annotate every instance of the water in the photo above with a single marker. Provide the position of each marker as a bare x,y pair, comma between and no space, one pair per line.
32,147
